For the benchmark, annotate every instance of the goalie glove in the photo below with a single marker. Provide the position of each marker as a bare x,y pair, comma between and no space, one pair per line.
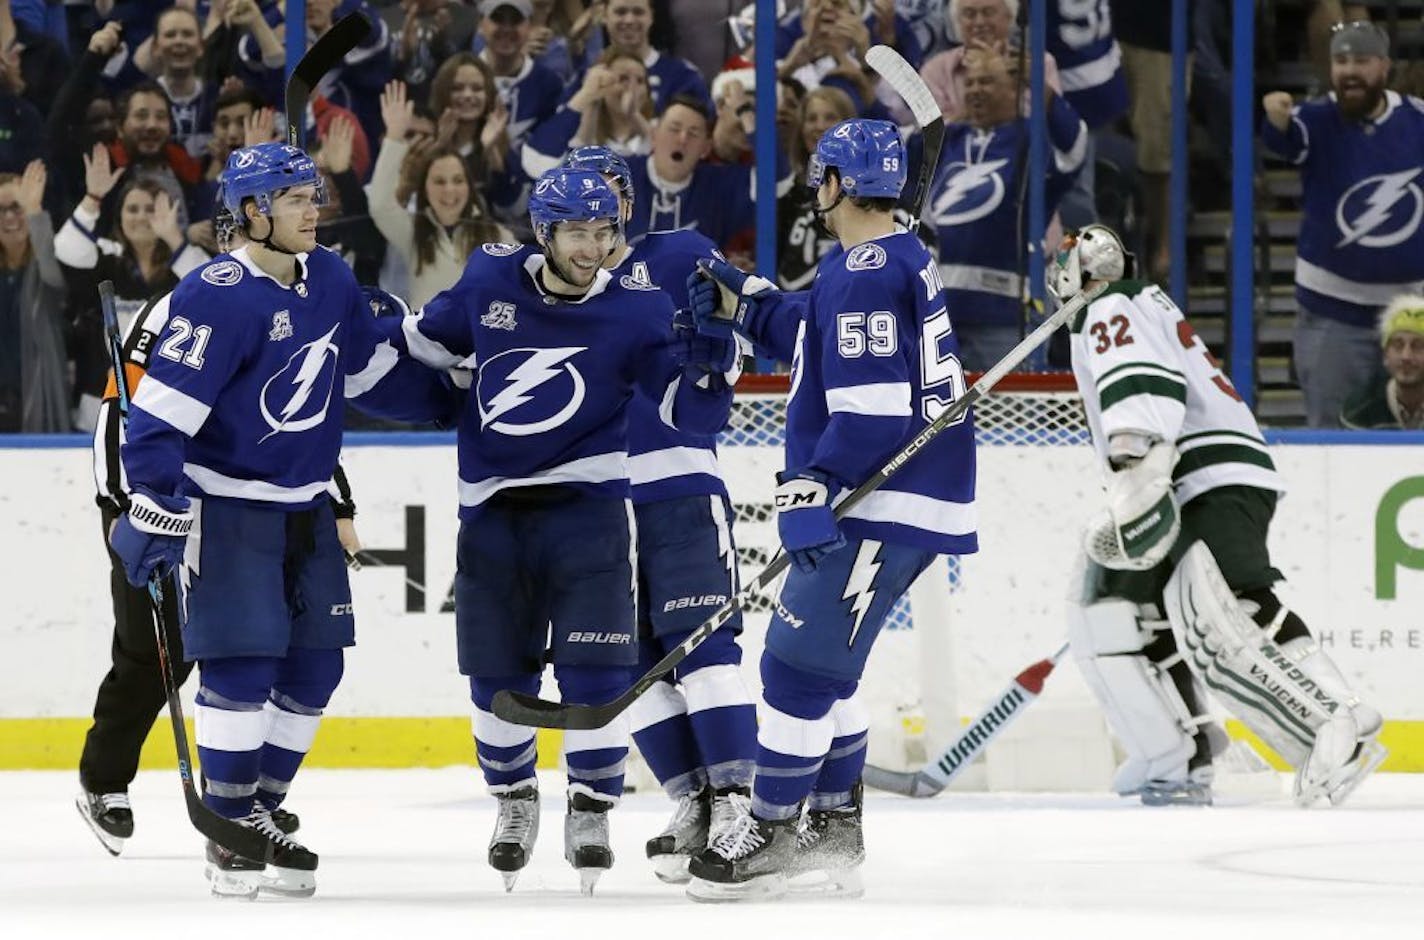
1142,521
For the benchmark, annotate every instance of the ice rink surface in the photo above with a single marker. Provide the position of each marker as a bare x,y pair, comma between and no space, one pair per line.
402,856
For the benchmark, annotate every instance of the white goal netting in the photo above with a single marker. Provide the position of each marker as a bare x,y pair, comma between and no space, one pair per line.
969,625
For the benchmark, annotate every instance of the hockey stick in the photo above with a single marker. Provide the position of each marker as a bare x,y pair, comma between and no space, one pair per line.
965,749
523,709
249,843
908,85
324,55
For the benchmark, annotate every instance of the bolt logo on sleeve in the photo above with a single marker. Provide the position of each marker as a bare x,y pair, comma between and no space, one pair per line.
529,391
297,397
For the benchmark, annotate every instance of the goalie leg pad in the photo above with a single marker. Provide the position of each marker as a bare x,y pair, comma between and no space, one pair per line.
1144,707
1347,747
1264,686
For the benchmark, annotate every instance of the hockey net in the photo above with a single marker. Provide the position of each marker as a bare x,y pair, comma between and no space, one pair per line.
969,624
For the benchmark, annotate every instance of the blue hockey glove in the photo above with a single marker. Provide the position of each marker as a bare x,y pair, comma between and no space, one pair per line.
804,517
701,353
149,538
722,296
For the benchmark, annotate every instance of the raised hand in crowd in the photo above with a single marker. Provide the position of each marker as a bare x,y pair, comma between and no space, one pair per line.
100,176
32,188
494,140
336,144
1278,105
259,127
538,41
165,221
106,39
396,111
884,21
598,83
590,19
736,119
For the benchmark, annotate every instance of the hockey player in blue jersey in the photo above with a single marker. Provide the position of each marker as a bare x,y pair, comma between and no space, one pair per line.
874,361
545,568
697,733
232,442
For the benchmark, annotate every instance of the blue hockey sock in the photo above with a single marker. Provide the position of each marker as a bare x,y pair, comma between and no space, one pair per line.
305,682
664,737
846,758
230,726
596,758
795,734
507,752
723,719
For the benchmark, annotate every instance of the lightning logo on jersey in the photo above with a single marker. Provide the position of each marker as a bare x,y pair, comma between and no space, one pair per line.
968,192
314,365
518,377
1380,211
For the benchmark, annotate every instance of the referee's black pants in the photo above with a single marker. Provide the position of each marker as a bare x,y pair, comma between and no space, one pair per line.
131,694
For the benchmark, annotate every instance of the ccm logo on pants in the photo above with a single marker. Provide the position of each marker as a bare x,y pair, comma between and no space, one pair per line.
589,636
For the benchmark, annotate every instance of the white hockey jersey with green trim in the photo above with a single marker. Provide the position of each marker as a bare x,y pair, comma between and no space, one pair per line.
1141,367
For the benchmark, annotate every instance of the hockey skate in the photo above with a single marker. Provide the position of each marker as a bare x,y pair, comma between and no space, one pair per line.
292,872
830,848
746,859
286,821
1346,750
109,816
685,836
516,827
586,845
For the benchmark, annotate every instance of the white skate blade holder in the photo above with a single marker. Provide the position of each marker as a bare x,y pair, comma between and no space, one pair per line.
769,887
845,883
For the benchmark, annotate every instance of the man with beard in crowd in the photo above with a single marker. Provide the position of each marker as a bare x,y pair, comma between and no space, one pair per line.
1361,242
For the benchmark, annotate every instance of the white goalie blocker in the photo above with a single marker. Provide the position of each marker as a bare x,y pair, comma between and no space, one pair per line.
1144,708
1291,695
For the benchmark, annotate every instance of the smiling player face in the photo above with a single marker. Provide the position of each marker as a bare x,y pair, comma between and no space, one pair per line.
576,251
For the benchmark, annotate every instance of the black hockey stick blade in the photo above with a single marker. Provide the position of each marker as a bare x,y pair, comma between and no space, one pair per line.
906,783
324,55
249,843
522,709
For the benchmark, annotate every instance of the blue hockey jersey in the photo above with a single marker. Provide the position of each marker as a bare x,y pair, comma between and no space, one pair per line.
244,395
717,200
552,379
665,462
531,96
875,360
975,209
1361,242
1080,39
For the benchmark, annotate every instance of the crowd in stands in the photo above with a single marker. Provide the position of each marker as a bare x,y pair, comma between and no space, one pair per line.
116,117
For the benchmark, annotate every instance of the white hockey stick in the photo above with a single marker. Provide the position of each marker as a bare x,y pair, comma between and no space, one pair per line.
908,85
965,749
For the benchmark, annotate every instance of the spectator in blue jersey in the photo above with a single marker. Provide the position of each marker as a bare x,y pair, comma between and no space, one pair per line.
1080,41
34,388
1361,242
678,189
975,211
1394,398
527,89
611,109
629,24
173,56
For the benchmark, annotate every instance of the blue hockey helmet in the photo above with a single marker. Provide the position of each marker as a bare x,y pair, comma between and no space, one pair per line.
868,155
605,161
258,172
565,195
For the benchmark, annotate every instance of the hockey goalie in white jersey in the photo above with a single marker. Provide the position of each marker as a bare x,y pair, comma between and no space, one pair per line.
1177,590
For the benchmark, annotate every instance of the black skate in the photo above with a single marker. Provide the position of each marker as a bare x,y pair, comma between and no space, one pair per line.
684,837
286,821
515,828
746,859
291,873
109,816
830,848
586,845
